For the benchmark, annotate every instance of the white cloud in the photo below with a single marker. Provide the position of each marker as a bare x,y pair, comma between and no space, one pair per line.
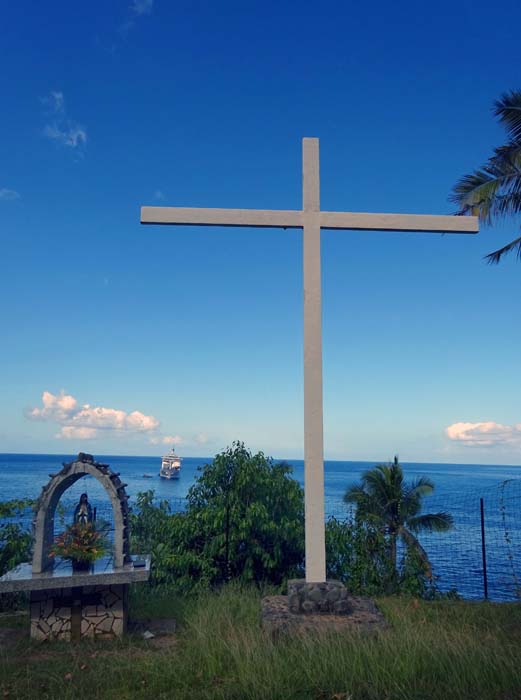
62,129
72,135
138,8
142,7
86,421
484,434
70,432
58,408
166,440
7,195
54,101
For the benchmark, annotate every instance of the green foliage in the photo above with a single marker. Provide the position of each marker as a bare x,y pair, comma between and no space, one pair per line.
15,540
248,514
358,555
166,537
493,191
15,545
386,503
244,521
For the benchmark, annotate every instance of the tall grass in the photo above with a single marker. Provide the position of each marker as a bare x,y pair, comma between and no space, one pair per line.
440,650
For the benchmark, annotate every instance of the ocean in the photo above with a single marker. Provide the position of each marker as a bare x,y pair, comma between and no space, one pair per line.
456,556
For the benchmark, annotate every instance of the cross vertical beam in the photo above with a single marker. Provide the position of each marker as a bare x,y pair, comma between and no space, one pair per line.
311,219
313,422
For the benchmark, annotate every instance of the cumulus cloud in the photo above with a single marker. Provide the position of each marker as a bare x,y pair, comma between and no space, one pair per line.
88,422
484,434
71,432
7,195
62,129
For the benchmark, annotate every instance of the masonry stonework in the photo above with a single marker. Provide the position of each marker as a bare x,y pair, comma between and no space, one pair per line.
71,613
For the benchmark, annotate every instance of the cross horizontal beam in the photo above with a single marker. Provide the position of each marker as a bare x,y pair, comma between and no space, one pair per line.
273,218
189,216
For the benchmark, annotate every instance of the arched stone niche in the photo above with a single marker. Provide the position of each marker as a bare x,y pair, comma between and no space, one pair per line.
50,497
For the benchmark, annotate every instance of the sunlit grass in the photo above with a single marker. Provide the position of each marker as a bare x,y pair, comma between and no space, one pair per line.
440,650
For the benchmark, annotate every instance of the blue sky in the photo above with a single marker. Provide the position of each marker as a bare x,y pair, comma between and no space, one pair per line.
145,336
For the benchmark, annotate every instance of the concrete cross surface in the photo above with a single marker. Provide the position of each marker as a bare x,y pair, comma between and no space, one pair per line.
311,220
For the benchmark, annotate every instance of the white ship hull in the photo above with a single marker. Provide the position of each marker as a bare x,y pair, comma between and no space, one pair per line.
170,466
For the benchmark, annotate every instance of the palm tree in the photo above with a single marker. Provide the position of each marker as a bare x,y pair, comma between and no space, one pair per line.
494,190
386,501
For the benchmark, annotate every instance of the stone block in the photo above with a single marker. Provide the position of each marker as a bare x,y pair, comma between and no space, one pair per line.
105,625
118,627
341,607
333,595
317,597
294,602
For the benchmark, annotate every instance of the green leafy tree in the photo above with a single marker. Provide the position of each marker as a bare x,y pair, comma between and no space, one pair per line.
494,191
384,500
247,515
244,520
167,538
15,543
357,554
15,539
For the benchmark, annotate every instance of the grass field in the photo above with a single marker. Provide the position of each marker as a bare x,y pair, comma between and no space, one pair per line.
439,650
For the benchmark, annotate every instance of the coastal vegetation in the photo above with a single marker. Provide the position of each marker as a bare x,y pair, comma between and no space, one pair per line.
493,191
241,537
15,539
244,522
385,501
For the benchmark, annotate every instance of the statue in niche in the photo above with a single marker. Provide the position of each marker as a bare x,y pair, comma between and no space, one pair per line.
83,511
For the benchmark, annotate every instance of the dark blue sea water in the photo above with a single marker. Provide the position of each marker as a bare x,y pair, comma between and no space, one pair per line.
456,556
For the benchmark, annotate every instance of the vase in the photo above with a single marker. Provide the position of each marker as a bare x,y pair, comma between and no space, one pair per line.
80,565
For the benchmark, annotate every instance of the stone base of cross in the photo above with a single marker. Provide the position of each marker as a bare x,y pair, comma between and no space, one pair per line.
311,220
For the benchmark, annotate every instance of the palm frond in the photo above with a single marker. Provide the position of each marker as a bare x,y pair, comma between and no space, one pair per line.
432,522
355,494
495,257
474,194
413,494
508,109
494,190
422,486
413,543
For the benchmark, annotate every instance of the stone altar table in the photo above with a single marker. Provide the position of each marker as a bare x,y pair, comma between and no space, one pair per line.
67,604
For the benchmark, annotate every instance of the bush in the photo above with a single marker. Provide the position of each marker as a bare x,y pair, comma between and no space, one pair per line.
15,539
357,554
244,521
15,545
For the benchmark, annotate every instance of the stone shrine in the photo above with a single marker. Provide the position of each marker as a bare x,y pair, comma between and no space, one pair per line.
67,604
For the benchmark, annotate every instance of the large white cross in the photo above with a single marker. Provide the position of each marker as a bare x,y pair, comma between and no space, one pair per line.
311,219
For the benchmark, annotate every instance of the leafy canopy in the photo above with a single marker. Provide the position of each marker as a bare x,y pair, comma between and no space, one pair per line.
384,500
494,190
244,520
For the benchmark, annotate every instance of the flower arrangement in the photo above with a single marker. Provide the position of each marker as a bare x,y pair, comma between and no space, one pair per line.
81,544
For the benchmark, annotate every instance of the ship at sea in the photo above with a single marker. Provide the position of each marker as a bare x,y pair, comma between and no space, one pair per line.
170,466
